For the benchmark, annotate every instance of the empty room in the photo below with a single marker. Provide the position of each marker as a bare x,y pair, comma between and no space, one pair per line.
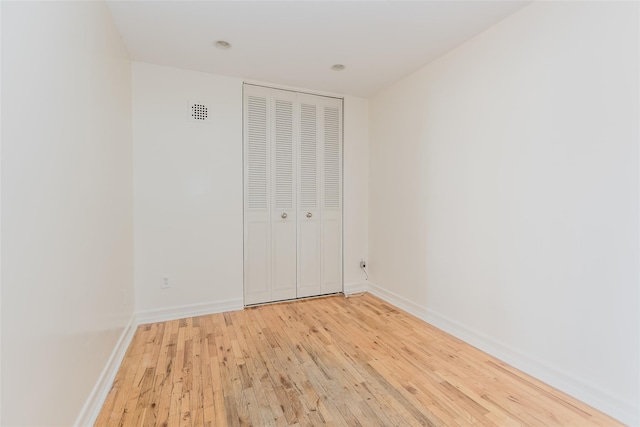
306,213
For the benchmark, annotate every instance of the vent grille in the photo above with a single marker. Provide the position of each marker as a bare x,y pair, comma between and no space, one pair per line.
308,157
284,154
198,112
331,158
257,152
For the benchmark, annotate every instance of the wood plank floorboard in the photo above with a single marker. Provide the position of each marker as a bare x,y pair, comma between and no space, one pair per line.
328,361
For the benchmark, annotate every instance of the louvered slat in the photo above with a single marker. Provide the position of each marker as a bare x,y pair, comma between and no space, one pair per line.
257,152
308,157
284,154
331,158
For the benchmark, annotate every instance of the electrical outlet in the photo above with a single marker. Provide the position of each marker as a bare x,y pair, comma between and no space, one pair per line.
165,283
363,263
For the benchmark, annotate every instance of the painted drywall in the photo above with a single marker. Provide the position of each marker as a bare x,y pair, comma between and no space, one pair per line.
355,189
67,206
188,188
504,195
188,191
0,214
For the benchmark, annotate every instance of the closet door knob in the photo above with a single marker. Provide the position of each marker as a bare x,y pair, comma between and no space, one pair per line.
284,215
309,214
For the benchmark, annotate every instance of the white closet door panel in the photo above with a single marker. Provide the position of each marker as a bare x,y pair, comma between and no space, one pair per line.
331,253
331,115
257,262
309,168
284,146
283,231
331,158
257,152
309,218
309,259
283,257
257,170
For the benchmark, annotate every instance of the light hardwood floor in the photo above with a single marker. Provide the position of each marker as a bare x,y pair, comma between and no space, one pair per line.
334,361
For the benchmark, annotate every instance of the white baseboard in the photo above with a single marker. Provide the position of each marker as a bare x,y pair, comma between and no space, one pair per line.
94,402
625,411
355,287
96,399
617,407
191,310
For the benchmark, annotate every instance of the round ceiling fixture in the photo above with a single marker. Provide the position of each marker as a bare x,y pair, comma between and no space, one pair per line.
222,44
338,67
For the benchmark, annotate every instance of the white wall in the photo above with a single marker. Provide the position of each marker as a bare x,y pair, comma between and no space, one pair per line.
0,214
188,188
188,191
504,196
355,188
67,209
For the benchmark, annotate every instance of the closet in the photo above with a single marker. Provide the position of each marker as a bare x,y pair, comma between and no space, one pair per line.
292,195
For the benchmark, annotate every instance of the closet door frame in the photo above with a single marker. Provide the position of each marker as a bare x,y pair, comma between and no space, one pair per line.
337,214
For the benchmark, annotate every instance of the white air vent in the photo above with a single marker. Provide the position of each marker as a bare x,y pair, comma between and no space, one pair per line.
199,112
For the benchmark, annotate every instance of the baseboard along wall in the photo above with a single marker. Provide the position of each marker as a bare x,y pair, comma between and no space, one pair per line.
355,287
91,409
624,411
191,310
617,408
96,399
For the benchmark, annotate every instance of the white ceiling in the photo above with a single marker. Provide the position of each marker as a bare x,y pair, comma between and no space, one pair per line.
295,43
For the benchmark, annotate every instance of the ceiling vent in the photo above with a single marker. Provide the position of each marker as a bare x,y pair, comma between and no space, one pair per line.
199,112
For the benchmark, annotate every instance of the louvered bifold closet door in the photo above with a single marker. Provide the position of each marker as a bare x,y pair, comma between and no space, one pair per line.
320,196
257,195
331,195
293,195
309,217
283,219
